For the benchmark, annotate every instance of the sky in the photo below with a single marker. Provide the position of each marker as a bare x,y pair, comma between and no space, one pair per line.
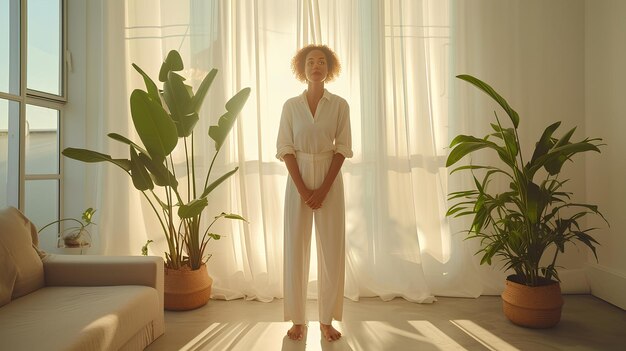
43,57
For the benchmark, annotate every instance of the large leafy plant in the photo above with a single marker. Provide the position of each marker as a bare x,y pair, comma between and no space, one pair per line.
518,225
164,120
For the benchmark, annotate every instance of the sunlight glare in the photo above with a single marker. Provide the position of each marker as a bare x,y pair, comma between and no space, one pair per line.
488,339
434,334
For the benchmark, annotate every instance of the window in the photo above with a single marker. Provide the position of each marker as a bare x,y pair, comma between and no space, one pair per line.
32,98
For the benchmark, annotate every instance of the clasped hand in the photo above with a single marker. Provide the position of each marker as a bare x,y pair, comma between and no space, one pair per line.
314,198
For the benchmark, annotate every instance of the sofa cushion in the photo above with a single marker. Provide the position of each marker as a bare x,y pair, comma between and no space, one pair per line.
8,274
80,318
16,238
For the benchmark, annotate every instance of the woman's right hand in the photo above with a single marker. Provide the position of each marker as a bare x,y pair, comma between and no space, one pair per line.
305,195
317,198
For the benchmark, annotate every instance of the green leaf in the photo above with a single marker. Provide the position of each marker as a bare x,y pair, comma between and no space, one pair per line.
198,99
90,156
461,193
461,150
534,202
457,208
554,165
160,175
178,100
587,240
230,216
219,132
138,173
126,141
235,216
470,167
193,208
545,142
494,95
217,182
565,139
153,91
461,214
472,198
88,215
154,126
508,135
566,150
506,157
461,138
173,62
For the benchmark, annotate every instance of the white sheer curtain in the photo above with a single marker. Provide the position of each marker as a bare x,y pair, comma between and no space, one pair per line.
395,56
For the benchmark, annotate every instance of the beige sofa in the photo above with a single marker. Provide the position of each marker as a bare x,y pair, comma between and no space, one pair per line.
74,302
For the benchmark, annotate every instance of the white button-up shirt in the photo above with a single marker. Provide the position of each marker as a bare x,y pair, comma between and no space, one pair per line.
328,130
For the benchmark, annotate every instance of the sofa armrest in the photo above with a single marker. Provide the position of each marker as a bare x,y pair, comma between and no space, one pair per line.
92,270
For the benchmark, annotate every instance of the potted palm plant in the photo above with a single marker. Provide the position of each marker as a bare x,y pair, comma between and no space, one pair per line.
533,217
164,120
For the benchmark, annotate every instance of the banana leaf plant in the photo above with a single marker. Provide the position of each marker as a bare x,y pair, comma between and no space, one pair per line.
164,120
520,224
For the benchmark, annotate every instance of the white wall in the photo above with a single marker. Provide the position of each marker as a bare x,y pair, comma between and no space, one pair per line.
605,116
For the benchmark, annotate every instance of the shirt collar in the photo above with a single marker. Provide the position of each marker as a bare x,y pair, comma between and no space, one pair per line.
326,95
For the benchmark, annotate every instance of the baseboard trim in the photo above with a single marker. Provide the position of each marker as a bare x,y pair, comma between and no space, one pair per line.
607,284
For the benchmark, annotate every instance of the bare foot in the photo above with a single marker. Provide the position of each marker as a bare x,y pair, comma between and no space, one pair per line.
329,333
296,332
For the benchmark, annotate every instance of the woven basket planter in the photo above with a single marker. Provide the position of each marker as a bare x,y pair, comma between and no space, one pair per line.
186,289
532,306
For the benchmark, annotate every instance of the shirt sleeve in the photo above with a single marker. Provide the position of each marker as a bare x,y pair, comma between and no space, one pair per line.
284,142
343,138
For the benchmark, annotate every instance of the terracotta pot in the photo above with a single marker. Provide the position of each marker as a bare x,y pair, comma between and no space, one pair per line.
532,306
186,289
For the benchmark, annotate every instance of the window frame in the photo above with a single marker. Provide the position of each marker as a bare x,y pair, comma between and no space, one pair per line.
16,196
40,95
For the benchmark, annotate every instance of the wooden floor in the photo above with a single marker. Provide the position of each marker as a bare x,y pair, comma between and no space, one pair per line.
587,323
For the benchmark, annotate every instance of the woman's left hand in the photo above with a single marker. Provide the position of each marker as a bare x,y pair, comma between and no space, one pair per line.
317,198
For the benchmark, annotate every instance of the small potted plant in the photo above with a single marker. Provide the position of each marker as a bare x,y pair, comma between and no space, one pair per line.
77,235
530,218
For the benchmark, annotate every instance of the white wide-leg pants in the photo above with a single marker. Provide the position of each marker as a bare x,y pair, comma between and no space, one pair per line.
330,241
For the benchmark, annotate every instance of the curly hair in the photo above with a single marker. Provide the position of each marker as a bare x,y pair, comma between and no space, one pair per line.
298,62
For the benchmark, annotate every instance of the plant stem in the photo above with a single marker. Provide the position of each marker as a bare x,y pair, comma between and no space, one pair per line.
61,220
189,180
206,181
549,272
193,167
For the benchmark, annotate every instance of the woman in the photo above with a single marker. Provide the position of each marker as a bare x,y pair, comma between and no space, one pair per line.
313,141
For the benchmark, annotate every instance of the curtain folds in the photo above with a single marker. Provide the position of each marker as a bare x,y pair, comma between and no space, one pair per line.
395,58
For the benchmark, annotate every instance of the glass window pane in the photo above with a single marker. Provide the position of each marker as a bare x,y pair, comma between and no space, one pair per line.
42,202
44,64
9,153
42,140
10,46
